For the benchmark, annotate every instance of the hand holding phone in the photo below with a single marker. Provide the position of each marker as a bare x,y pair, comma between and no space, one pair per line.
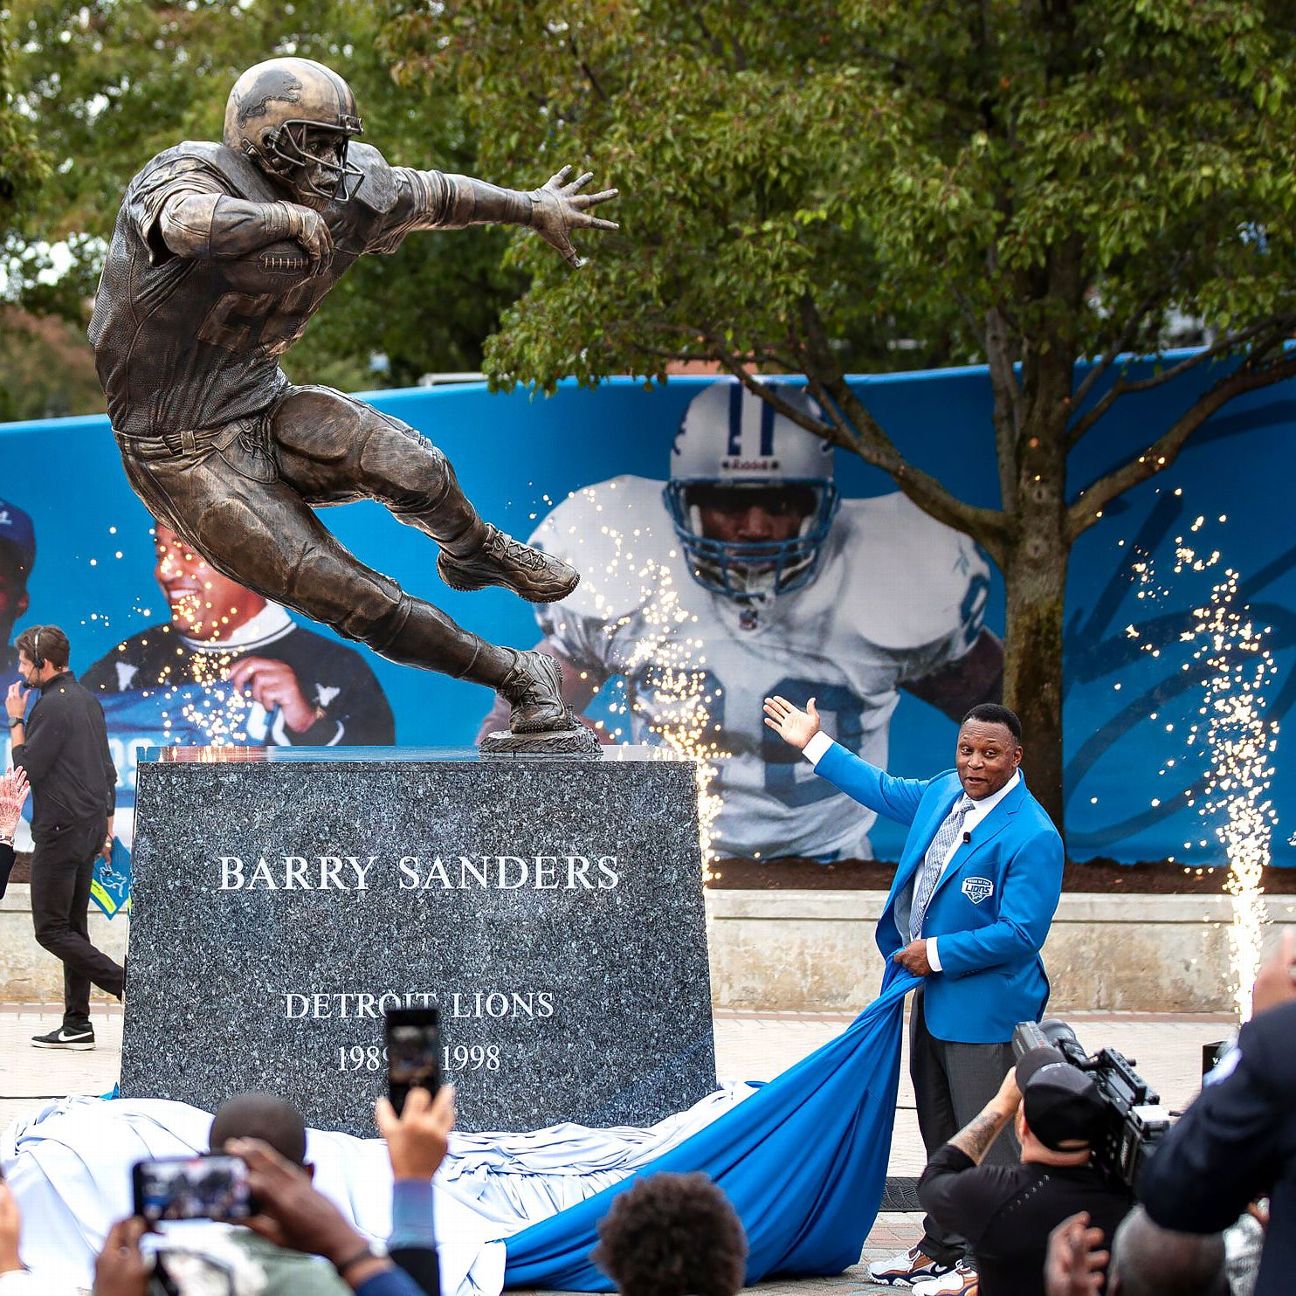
413,1037
418,1139
213,1187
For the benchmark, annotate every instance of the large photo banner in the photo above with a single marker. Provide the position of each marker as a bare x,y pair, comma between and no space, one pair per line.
1178,603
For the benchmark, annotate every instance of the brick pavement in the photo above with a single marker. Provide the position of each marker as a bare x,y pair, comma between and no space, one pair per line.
749,1046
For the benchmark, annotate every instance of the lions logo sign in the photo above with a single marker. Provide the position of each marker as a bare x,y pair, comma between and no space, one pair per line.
977,889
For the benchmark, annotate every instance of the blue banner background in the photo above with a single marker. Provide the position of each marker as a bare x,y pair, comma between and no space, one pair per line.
517,455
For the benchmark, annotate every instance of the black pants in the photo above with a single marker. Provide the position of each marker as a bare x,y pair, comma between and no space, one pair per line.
952,1083
62,870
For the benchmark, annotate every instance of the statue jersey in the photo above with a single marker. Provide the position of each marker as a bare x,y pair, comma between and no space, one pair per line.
176,346
897,597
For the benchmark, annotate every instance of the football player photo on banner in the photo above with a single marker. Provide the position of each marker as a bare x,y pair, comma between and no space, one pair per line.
743,573
228,668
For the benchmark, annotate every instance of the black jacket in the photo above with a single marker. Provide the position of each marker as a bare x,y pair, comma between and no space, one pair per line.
66,757
1235,1143
1008,1212
6,867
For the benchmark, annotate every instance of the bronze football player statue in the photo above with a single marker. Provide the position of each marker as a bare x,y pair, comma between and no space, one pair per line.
220,256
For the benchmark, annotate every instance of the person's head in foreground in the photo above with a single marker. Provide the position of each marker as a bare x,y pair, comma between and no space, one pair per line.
264,1116
673,1235
1146,1260
988,750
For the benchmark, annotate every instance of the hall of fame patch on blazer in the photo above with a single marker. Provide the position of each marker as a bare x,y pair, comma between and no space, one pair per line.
977,889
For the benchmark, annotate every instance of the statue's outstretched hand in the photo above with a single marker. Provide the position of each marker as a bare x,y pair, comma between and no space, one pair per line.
560,207
792,725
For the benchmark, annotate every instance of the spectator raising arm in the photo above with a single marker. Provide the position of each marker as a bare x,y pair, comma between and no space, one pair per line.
417,1141
293,1214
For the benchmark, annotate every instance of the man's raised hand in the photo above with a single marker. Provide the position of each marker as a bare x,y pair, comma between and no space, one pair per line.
560,207
418,1138
792,725
1074,1264
16,701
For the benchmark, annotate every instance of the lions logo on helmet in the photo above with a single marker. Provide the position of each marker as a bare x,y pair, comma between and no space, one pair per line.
294,117
731,442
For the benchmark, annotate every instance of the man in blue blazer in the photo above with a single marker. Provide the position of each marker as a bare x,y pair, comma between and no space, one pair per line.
974,894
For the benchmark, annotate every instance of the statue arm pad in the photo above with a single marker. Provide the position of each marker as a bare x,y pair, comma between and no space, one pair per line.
208,226
455,201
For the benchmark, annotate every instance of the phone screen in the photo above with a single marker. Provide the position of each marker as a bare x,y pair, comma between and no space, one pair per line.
211,1187
413,1052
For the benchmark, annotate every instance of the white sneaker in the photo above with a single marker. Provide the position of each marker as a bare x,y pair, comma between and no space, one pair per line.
960,1281
908,1267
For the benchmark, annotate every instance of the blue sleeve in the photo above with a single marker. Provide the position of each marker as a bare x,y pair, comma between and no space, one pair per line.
1031,888
390,1282
1225,1149
894,797
412,1215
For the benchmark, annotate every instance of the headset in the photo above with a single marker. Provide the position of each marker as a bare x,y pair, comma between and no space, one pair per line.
37,660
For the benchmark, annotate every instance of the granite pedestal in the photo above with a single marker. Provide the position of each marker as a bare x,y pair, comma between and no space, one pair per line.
551,908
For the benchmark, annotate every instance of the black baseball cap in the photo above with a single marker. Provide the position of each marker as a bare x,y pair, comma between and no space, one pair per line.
1061,1102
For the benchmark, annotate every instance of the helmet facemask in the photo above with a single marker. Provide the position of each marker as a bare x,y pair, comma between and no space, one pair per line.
752,571
311,157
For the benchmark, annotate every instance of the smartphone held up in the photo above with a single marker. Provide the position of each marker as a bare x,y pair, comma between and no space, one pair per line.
212,1187
413,1039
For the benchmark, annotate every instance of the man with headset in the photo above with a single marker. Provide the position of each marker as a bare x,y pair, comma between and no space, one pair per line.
64,749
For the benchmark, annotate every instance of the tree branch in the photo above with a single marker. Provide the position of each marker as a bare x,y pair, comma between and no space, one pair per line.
1118,348
1163,452
865,436
1280,326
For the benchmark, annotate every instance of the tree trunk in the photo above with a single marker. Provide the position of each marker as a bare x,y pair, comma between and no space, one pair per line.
1034,563
1035,575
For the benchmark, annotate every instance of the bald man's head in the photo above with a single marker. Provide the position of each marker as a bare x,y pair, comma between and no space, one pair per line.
1148,1260
261,1116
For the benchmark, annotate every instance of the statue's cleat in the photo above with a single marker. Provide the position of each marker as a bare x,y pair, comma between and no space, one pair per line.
500,560
533,688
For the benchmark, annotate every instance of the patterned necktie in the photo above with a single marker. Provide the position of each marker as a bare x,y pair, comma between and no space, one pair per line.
934,860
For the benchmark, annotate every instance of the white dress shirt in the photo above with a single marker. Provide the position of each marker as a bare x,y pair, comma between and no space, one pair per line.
814,752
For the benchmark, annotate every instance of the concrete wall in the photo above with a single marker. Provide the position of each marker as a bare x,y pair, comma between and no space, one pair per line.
27,973
813,951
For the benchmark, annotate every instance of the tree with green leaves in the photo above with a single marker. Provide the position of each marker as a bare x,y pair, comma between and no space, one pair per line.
1039,185
106,85
23,167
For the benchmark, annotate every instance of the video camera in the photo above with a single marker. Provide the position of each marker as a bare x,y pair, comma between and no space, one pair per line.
1134,1121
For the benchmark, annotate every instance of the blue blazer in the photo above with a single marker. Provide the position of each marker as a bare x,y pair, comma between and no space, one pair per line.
992,906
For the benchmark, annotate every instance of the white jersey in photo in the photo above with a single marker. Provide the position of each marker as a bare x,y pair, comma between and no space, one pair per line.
898,596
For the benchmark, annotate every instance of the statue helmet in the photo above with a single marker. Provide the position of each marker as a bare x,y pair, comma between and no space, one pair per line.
294,117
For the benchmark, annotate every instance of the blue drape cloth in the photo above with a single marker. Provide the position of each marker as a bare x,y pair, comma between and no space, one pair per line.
803,1161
